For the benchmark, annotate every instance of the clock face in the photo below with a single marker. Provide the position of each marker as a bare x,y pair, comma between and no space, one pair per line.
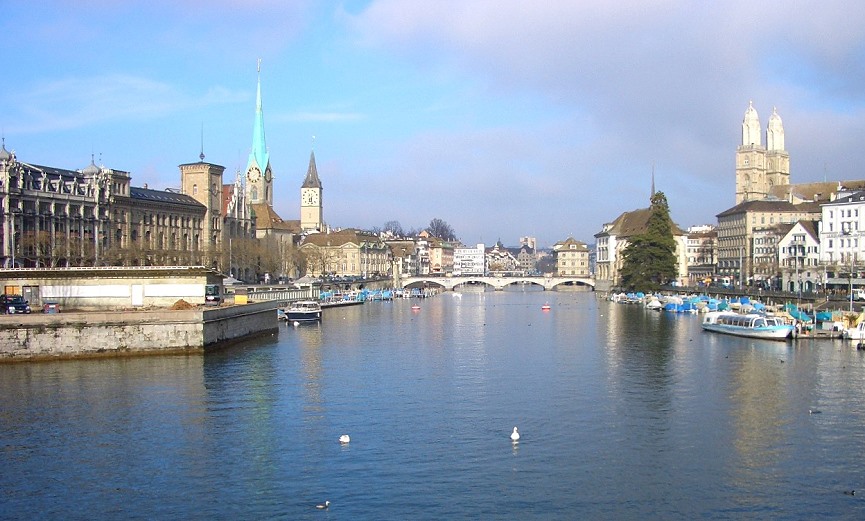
310,198
254,174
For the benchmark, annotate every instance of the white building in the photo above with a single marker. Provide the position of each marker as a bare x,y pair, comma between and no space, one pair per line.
469,261
799,258
843,251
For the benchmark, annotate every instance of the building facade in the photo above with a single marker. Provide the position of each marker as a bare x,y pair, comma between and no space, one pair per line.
842,250
345,253
799,255
572,258
736,228
469,261
702,252
614,238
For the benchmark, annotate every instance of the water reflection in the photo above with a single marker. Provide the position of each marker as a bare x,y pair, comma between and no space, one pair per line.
624,414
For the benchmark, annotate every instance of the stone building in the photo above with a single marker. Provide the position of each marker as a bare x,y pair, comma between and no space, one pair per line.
345,253
53,217
500,260
702,252
614,237
736,228
799,257
572,258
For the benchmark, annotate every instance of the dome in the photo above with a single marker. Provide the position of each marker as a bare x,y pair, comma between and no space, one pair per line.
4,154
751,135
775,132
91,169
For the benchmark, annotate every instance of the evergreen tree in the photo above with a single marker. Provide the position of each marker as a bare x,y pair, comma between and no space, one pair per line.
649,260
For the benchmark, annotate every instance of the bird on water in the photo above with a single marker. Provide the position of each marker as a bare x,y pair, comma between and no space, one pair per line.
323,506
344,439
515,436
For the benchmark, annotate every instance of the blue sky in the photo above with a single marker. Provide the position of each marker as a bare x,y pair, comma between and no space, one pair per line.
504,118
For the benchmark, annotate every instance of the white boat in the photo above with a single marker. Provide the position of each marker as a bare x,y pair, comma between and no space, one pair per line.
857,332
751,325
303,310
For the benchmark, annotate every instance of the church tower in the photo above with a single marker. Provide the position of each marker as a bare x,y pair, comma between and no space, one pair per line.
751,160
311,214
203,181
760,168
259,177
777,159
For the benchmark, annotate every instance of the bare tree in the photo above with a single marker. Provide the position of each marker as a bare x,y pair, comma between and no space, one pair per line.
441,229
394,227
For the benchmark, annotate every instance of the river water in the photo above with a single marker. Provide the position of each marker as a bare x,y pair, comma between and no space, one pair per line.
624,414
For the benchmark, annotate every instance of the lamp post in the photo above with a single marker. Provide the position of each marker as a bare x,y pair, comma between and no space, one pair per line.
845,231
741,254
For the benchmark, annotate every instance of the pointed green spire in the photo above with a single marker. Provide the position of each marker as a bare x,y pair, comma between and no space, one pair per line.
259,153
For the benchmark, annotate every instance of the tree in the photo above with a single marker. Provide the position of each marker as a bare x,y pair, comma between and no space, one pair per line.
393,227
649,259
441,229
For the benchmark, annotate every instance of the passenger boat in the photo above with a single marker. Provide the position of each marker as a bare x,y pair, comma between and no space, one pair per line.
751,325
303,310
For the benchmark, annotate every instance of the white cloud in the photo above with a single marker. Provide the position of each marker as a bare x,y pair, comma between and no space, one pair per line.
84,101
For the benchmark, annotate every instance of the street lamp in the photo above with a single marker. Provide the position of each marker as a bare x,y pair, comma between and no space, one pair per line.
845,231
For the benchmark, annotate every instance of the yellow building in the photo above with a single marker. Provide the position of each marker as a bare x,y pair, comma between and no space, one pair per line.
572,258
345,253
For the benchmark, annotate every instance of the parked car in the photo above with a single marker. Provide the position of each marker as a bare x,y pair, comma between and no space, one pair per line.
51,307
11,304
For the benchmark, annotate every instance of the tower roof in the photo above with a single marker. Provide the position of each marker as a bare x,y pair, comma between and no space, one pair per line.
311,180
259,153
751,134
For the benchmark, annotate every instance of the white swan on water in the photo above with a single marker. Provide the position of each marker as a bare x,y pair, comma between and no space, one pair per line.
344,439
515,436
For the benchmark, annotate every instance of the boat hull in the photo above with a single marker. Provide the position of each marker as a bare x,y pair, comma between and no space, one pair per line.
303,316
768,333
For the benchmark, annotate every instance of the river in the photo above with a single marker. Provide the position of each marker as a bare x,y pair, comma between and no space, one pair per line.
624,414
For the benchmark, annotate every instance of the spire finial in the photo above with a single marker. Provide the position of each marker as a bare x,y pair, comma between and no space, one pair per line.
201,155
259,66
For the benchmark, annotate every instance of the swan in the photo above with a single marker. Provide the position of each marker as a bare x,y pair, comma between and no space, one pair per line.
515,436
323,505
344,439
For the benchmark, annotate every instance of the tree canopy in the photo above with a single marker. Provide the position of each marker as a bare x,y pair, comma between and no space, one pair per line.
441,229
649,259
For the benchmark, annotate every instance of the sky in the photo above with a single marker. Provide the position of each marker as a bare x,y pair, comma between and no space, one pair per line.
504,118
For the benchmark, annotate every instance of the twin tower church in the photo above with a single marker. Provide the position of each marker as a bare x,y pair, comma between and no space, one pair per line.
760,168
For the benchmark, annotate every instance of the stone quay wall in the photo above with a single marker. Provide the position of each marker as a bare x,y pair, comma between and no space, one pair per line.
41,336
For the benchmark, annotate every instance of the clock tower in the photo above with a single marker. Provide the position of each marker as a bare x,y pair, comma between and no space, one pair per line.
259,176
311,214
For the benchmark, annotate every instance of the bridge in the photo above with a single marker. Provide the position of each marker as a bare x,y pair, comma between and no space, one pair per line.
499,283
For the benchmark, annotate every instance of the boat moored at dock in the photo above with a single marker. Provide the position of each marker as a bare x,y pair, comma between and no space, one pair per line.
752,325
303,311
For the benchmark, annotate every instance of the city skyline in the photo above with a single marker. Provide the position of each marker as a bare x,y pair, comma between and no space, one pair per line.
502,119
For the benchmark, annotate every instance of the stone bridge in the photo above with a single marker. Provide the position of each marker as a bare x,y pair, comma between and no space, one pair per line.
499,283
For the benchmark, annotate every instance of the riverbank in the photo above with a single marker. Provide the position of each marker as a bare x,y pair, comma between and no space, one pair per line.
72,335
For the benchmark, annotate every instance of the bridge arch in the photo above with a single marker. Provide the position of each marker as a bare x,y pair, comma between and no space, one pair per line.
498,283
